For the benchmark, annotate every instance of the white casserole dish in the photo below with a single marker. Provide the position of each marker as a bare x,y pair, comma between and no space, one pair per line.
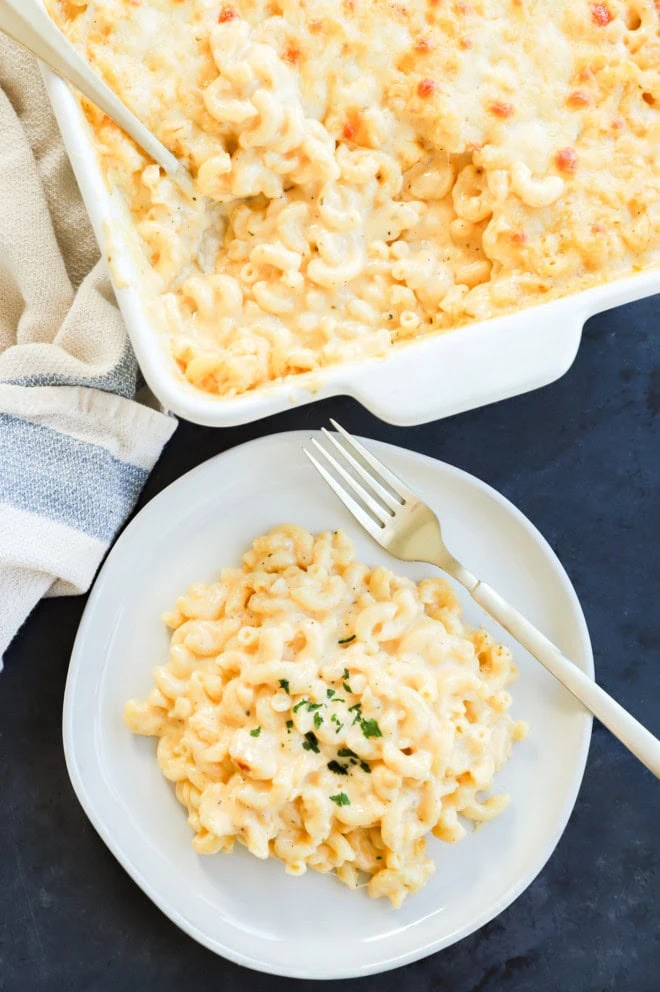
432,377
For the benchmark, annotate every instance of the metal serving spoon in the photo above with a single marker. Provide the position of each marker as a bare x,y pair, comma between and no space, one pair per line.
27,22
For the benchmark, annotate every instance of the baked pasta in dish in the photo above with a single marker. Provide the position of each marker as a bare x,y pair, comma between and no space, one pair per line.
329,714
368,171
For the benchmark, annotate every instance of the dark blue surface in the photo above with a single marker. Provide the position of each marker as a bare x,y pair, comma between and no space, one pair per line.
582,459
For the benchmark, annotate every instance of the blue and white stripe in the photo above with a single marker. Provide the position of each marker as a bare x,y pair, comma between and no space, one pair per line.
65,479
73,461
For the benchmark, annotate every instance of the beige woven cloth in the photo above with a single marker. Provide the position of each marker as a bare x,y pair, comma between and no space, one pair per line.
75,447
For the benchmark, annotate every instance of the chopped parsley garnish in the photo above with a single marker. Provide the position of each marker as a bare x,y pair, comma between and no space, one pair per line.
285,685
341,799
311,742
255,732
346,752
318,720
310,706
347,640
335,719
338,768
346,687
289,725
346,674
330,693
370,728
357,709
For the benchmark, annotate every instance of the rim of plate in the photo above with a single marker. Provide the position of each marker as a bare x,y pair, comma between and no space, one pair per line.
296,437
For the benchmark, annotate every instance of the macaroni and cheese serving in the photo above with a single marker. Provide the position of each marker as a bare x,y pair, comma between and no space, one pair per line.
329,714
368,171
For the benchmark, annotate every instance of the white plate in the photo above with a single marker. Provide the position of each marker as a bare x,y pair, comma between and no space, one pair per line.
248,910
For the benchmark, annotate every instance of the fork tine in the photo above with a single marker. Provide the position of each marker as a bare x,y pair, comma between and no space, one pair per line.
351,505
397,486
382,514
385,495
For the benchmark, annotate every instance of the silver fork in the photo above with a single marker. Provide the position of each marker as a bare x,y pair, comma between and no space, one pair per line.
406,527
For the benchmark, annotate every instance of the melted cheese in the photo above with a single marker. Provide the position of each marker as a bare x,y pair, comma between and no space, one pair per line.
369,171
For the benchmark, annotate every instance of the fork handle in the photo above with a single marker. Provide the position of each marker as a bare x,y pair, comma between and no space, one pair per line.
622,724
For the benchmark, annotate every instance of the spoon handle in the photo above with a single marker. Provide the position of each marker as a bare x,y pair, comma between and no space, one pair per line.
27,22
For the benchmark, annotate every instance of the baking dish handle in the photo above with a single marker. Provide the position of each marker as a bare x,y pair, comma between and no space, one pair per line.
473,365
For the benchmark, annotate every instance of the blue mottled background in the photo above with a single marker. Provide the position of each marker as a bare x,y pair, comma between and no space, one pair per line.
582,459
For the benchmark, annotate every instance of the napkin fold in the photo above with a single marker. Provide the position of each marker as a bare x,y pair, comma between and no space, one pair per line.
75,447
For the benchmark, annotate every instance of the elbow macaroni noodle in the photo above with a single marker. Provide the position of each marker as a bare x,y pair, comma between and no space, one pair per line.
369,171
329,714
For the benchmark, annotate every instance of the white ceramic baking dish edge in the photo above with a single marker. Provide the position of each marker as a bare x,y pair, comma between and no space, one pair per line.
433,377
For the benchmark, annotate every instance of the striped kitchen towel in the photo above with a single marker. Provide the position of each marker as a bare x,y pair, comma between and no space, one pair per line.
75,446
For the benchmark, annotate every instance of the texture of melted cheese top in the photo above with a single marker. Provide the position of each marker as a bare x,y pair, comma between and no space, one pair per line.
369,171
